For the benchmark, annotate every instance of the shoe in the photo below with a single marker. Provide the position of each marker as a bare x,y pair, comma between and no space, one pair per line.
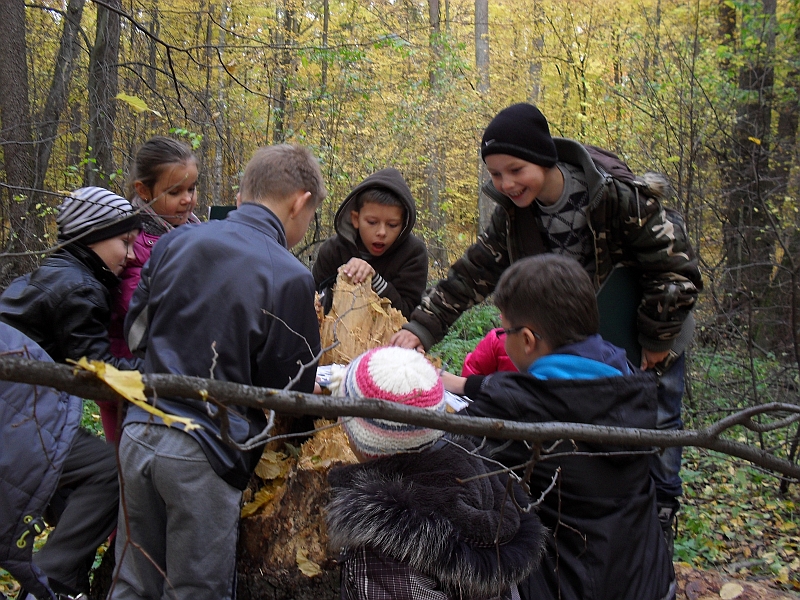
667,517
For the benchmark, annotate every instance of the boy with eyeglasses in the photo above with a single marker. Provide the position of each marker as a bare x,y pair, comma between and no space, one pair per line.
606,539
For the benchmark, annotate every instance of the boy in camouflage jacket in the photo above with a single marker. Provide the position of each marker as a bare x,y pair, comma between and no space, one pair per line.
552,198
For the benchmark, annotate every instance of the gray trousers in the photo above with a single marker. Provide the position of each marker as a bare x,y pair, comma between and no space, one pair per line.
181,519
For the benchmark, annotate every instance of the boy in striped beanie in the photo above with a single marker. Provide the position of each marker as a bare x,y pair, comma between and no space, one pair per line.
422,515
64,305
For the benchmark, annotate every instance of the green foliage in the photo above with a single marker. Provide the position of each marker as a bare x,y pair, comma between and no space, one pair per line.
195,139
464,335
91,418
725,381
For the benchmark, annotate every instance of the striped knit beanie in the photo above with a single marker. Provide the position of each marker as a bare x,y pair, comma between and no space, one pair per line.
396,375
95,214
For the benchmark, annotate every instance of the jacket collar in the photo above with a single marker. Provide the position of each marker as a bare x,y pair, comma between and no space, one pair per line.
86,256
261,218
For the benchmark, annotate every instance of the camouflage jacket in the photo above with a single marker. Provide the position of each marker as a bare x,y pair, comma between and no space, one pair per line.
630,226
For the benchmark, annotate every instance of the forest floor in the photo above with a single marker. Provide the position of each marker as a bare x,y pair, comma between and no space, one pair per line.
734,520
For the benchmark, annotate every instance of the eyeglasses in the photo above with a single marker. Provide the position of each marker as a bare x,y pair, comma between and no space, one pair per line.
511,330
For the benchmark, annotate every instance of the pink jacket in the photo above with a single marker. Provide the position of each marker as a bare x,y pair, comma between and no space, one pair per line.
488,357
122,295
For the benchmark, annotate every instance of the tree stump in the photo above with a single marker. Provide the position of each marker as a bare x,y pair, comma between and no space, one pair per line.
283,541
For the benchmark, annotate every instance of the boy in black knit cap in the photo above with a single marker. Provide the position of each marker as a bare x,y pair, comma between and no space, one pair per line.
551,197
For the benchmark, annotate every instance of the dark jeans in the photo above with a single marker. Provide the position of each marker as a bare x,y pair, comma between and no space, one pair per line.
665,468
83,510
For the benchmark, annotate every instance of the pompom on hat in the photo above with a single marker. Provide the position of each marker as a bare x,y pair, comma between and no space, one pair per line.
396,375
93,214
521,131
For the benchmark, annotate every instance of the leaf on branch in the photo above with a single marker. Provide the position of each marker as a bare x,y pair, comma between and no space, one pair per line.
130,386
136,103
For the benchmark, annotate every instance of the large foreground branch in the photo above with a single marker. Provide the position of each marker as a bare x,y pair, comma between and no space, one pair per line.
86,385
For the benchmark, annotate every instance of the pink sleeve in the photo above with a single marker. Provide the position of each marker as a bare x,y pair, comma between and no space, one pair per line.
488,357
482,360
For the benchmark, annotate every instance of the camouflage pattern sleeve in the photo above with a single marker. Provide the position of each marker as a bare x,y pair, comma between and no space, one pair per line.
656,239
469,281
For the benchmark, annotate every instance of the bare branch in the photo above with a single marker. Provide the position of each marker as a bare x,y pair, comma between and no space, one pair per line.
229,394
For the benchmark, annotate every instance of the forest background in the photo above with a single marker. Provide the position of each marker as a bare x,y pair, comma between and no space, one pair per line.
705,91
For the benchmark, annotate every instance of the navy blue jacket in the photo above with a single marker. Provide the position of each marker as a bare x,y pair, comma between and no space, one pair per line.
37,427
606,541
225,299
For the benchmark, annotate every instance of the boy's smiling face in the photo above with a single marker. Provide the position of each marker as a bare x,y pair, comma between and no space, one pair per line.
378,225
520,180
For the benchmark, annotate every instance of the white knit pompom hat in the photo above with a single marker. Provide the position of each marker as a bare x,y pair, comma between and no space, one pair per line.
395,375
94,214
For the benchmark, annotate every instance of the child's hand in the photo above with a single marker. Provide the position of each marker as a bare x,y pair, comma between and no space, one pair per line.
406,339
358,270
651,358
453,383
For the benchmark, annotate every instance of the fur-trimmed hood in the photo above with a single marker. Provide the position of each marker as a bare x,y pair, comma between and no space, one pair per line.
428,510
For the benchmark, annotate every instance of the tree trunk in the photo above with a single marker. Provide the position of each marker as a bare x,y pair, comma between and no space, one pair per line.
482,44
57,98
485,204
102,91
16,140
748,237
435,169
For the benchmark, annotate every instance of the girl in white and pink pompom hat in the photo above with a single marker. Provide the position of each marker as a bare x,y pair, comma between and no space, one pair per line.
422,515
396,375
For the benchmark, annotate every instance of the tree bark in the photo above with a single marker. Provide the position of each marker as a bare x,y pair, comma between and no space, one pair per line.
748,238
59,89
16,139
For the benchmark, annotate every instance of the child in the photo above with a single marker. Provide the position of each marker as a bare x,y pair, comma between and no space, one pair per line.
248,319
489,356
552,198
373,237
421,516
53,470
606,539
65,304
162,186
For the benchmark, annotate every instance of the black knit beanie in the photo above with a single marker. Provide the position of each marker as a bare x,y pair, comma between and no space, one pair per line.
521,131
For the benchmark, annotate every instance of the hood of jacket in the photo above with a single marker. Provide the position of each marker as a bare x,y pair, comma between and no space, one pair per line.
442,514
591,358
390,179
